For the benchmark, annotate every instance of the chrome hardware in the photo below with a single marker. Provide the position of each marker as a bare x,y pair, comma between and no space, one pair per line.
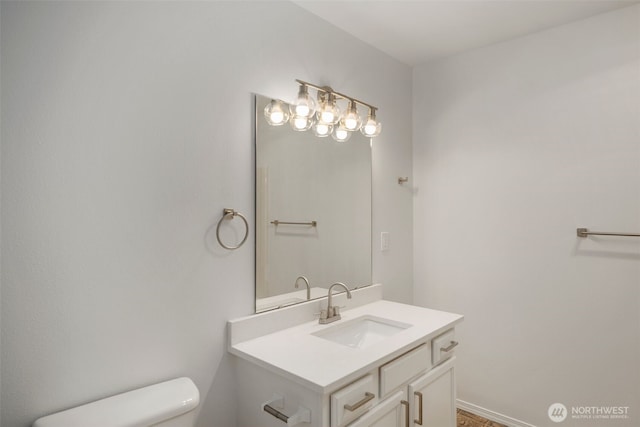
277,222
419,420
403,179
230,214
331,314
306,281
450,346
302,415
367,397
584,232
279,415
406,411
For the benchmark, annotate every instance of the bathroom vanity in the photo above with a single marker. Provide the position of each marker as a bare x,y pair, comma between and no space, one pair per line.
382,364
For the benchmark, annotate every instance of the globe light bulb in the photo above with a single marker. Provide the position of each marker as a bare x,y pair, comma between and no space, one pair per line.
371,127
329,112
322,130
299,123
303,105
351,121
341,134
276,112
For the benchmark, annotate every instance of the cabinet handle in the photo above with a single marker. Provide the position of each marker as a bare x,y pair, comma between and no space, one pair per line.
302,415
450,346
367,397
406,411
419,420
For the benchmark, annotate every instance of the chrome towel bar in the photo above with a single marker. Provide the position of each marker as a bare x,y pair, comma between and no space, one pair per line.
583,232
277,222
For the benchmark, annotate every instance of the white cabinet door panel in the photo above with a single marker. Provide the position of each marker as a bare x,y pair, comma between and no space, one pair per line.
435,394
389,413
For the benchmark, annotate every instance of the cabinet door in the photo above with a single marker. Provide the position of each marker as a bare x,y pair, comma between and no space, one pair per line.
391,412
433,397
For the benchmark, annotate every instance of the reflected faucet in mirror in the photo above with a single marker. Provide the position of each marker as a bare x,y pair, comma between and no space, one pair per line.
306,281
331,314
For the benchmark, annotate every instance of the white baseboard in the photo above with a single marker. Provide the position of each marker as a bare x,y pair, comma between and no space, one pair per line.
491,415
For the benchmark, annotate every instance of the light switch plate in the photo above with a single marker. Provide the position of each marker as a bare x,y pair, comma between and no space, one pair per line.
384,241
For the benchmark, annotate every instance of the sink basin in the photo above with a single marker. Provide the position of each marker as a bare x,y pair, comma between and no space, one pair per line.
362,332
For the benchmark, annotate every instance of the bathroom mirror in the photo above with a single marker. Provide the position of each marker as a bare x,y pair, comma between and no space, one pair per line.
313,212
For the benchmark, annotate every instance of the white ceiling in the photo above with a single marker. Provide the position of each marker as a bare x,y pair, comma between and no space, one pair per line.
418,31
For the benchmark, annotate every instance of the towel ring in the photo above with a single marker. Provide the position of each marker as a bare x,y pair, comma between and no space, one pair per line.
230,214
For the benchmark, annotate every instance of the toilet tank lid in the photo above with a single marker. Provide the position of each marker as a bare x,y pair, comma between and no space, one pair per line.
141,407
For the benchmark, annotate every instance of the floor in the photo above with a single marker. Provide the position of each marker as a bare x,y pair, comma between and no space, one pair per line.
467,419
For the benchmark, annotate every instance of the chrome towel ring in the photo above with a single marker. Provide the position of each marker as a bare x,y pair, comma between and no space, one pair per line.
230,214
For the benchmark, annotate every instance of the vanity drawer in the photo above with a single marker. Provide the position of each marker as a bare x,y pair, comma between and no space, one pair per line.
443,347
351,401
399,371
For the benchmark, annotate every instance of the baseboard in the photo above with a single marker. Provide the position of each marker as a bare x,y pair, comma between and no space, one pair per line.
491,415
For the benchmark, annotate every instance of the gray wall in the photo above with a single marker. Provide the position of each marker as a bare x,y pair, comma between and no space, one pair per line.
126,129
515,146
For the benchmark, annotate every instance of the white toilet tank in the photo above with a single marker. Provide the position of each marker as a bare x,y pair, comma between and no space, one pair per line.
167,404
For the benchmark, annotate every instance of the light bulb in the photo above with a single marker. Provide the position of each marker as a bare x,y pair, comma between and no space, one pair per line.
371,128
322,130
351,121
304,105
276,112
300,123
329,112
341,134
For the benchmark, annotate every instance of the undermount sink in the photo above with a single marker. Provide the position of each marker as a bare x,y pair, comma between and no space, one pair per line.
362,332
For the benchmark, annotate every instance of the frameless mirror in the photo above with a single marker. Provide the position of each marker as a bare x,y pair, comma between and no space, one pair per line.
313,212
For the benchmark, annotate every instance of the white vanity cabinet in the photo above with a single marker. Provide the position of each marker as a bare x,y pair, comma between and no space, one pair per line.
433,397
428,400
391,412
296,376
404,392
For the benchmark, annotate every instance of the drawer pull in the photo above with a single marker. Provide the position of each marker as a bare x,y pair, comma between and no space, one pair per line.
419,420
302,415
450,346
406,411
367,397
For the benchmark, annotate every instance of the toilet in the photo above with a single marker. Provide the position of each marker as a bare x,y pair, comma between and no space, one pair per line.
167,404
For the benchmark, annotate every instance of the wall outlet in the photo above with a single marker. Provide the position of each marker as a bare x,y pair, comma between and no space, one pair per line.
384,241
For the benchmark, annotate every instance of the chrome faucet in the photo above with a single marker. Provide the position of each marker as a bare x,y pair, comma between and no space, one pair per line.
306,281
331,314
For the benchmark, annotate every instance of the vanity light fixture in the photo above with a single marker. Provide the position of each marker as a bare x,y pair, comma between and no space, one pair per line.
301,123
324,115
371,128
329,112
276,113
341,134
304,105
322,130
351,120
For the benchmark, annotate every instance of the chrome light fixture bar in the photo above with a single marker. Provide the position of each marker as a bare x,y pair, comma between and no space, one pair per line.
324,115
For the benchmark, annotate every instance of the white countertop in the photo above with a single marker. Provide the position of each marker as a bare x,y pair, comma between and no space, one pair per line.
323,365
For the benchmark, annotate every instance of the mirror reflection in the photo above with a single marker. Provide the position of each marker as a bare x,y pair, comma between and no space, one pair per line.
313,213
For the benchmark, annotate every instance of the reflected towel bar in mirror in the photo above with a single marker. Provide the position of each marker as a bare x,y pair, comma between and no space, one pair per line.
584,232
277,222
